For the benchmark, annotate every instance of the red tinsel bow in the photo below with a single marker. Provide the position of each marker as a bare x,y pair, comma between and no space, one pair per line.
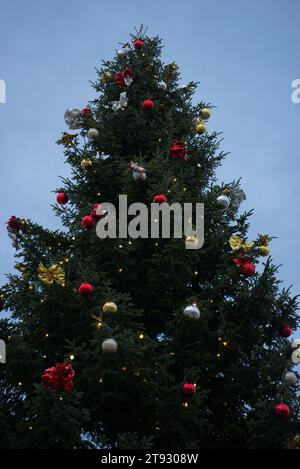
124,78
178,150
59,376
15,224
241,261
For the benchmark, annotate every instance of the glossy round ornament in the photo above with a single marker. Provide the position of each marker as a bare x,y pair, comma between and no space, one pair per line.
223,201
110,307
290,378
73,118
192,312
86,164
109,346
93,133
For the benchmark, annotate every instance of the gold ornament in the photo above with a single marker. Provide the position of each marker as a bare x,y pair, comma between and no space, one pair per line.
236,243
205,113
86,164
263,251
200,128
67,140
264,240
171,69
295,443
106,76
110,307
53,274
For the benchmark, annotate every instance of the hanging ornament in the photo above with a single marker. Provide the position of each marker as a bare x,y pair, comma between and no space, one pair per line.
97,212
58,377
263,251
16,225
93,133
67,140
53,274
121,104
191,311
237,196
223,201
296,356
73,118
86,289
124,78
138,173
86,113
106,76
110,308
246,268
62,198
290,378
159,199
282,411
109,346
295,443
285,331
86,164
138,44
188,389
236,244
200,128
161,85
178,150
122,52
148,105
88,222
205,114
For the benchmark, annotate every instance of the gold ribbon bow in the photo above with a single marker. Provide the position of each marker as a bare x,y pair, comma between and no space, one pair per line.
52,274
236,243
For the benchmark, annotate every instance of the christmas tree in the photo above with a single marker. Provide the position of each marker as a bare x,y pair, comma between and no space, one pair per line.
134,342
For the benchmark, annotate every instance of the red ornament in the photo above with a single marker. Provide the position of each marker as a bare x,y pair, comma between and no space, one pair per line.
138,44
2,304
159,199
188,389
86,289
59,376
86,112
88,222
246,267
124,78
62,198
178,150
97,212
16,224
282,411
285,331
119,79
148,105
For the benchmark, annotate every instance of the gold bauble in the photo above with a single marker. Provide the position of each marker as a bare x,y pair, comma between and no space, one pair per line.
200,129
205,113
110,307
86,164
264,251
106,76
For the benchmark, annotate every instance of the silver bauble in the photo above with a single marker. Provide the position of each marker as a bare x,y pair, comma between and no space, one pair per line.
223,201
93,133
162,85
290,378
73,118
191,311
109,346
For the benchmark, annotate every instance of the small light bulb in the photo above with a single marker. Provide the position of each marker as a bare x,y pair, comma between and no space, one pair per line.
47,335
141,336
72,357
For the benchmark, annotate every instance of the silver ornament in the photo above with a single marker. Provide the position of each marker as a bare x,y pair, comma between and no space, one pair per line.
162,85
93,133
223,201
73,118
191,311
109,346
296,356
139,175
122,103
122,52
237,196
290,378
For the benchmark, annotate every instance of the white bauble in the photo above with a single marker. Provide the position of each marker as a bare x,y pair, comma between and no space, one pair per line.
296,356
191,311
93,133
290,378
139,176
109,346
122,52
161,85
223,201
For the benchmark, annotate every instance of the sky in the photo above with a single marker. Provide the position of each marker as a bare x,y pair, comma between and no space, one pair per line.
244,54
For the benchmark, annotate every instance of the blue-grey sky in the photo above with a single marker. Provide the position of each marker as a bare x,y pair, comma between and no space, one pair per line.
244,53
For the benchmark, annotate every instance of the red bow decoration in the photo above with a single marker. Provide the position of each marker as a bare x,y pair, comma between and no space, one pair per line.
246,267
178,150
241,261
59,376
124,78
16,224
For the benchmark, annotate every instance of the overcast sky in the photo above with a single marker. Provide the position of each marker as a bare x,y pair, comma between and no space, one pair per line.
244,53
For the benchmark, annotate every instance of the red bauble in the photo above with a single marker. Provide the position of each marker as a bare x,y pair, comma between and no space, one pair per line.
62,198
59,376
159,199
138,44
88,222
86,289
188,389
86,112
97,212
282,411
247,269
285,331
148,105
